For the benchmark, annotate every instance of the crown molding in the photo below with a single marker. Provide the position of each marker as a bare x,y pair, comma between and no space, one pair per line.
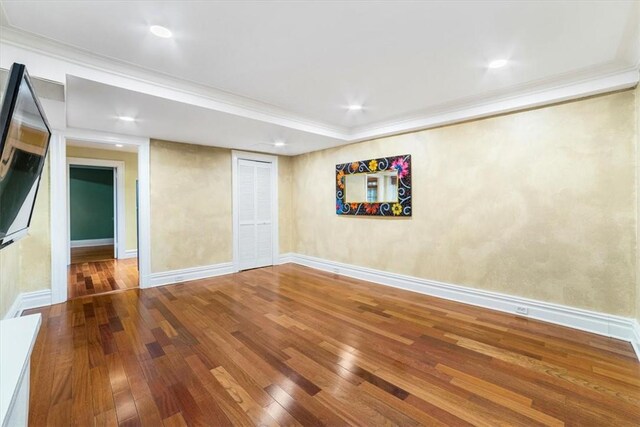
533,98
60,60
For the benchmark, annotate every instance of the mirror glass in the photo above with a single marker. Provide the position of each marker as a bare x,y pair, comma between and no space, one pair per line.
378,187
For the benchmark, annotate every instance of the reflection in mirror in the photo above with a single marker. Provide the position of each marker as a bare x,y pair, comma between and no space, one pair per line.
377,187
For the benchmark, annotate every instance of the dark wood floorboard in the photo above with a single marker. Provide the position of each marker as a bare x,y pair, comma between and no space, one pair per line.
92,253
289,345
98,277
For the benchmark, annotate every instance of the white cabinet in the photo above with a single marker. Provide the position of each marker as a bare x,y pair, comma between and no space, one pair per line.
17,337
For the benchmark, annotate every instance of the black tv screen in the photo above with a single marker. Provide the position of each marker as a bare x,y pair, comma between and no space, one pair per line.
23,148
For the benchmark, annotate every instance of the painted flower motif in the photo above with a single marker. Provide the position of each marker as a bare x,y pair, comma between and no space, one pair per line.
340,179
402,166
354,206
373,165
396,209
354,166
372,208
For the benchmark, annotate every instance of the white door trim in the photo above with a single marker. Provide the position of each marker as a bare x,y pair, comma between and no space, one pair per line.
59,213
244,155
119,231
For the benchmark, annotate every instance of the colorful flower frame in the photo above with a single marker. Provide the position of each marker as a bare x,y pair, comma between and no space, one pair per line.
402,207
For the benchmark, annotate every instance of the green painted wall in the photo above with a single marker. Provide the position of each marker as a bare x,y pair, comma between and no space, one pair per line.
91,203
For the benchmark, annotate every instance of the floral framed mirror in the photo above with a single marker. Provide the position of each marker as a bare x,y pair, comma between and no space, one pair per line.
374,187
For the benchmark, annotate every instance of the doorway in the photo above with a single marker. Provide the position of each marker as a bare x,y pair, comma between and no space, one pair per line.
102,220
92,219
255,210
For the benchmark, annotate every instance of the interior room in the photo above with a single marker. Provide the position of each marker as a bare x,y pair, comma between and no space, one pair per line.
320,213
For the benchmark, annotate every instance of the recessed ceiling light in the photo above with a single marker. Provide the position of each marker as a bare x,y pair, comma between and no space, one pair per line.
355,107
279,144
160,31
126,118
498,63
119,145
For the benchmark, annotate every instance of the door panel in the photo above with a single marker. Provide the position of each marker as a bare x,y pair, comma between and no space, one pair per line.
255,226
246,192
264,245
247,246
263,192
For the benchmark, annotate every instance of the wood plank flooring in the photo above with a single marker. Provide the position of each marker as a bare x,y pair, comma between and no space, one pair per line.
97,277
91,253
290,345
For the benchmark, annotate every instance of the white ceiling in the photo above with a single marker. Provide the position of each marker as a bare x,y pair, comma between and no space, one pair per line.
401,60
129,148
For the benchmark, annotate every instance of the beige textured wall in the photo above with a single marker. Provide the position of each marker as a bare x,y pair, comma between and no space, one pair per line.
25,266
539,204
285,204
637,96
35,250
190,206
130,176
9,276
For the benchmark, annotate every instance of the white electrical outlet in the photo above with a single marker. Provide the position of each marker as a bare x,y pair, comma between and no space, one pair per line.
522,310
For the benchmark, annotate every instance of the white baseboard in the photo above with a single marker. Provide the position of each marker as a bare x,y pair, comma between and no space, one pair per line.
130,253
635,342
90,242
186,274
600,323
27,300
14,310
285,258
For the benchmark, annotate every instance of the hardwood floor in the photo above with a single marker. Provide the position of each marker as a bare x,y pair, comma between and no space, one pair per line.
97,277
290,345
91,253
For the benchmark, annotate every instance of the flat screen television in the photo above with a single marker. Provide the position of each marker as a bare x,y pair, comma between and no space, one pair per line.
23,149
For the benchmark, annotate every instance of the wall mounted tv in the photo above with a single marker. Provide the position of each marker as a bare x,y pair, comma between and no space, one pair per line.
23,148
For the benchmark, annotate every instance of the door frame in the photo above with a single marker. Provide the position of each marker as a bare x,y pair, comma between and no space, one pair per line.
266,158
119,219
59,214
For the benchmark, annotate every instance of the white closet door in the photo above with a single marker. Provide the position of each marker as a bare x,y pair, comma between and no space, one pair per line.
246,214
255,225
